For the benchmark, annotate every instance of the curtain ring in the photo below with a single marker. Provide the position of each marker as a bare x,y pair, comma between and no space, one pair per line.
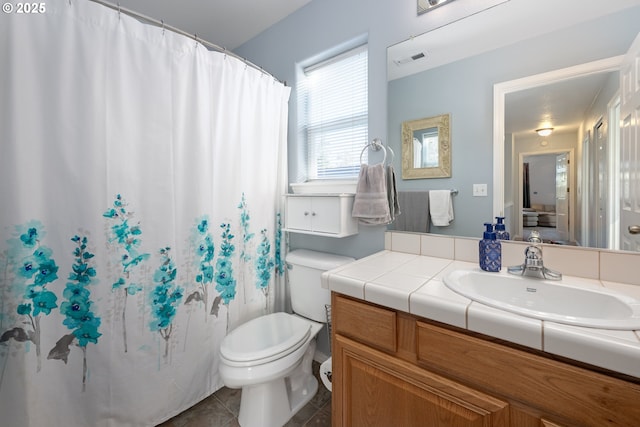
118,10
162,22
195,37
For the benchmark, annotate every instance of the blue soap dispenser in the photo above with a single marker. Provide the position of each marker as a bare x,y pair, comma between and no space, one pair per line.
490,250
501,230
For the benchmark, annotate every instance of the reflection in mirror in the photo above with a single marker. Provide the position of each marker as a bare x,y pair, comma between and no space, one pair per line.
426,148
582,33
580,99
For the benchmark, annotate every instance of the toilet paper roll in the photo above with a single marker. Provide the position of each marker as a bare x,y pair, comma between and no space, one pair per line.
325,373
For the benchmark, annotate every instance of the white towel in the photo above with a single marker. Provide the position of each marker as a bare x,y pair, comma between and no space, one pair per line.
371,204
440,207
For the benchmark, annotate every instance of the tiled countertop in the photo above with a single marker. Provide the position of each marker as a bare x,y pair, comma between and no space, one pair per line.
414,284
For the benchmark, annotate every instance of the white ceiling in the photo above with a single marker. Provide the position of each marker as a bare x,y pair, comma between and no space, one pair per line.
226,23
559,105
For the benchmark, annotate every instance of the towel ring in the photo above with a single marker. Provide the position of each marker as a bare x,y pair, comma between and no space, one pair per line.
393,155
377,141
376,144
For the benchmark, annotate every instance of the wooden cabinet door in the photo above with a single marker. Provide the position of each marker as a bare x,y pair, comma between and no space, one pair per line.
372,389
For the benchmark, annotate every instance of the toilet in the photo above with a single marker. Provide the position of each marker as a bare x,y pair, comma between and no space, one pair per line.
270,356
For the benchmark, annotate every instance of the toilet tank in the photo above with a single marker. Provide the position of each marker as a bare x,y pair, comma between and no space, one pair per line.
308,297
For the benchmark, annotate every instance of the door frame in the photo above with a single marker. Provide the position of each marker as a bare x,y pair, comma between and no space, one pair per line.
500,91
613,167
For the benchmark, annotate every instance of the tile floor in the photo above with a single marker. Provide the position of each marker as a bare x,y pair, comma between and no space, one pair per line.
221,410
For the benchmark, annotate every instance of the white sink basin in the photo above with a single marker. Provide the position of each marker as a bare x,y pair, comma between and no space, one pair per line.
548,300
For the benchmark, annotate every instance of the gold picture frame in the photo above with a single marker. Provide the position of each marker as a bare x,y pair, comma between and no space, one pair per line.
426,148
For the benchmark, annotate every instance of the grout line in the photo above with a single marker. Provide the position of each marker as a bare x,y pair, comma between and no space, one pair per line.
315,414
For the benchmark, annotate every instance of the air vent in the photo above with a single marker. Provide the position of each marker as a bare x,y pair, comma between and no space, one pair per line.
410,59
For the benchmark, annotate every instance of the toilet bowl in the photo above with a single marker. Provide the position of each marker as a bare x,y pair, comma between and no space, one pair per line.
270,357
279,380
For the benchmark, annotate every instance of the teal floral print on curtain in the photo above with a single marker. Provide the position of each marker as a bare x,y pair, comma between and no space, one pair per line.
247,235
127,238
30,268
225,281
78,308
264,266
204,249
279,262
165,299
34,269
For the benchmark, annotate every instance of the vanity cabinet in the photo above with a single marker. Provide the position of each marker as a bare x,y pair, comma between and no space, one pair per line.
391,368
321,214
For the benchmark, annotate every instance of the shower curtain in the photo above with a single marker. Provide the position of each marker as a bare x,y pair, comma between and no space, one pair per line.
141,178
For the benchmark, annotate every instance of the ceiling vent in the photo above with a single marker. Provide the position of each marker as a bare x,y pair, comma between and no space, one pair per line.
409,59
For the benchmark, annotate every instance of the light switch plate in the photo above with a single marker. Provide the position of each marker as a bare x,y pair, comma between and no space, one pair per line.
480,190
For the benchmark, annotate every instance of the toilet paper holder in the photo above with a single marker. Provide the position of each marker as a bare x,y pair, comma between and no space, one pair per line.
325,367
327,310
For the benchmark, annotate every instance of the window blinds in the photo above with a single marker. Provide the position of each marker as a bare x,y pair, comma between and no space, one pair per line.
335,119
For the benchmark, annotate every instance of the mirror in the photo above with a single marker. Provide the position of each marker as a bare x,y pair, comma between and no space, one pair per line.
426,148
464,83
582,99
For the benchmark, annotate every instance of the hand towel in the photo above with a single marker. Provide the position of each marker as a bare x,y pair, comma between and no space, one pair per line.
371,203
415,211
392,193
440,207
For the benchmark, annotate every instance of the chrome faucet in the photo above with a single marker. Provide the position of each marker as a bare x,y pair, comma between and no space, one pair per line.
533,265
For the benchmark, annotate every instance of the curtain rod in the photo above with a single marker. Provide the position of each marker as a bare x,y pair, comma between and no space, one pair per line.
195,37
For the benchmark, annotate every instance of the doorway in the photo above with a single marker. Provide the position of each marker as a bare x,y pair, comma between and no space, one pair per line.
544,185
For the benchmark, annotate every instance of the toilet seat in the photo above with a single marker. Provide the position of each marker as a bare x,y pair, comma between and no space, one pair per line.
264,339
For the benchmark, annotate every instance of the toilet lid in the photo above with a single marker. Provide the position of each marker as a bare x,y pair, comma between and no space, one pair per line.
267,337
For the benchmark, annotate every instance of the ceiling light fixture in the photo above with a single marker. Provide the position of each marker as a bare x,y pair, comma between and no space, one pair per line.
544,131
427,5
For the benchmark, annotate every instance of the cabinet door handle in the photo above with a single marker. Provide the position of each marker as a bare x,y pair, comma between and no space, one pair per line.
313,214
306,214
634,229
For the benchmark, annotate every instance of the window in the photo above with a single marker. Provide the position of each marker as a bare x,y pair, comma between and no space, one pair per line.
334,120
